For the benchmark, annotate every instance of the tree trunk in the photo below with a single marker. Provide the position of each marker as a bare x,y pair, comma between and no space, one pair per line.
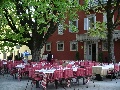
110,31
36,54
110,46
36,51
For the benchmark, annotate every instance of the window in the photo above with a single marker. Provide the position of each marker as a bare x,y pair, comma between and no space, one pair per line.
60,46
73,26
105,18
60,29
4,55
18,53
92,3
89,22
11,54
73,46
48,46
104,46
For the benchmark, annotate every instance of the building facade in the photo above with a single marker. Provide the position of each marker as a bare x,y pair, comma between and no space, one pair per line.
65,43
18,51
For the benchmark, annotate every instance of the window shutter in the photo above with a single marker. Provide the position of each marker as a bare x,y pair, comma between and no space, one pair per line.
113,19
77,23
94,22
86,23
104,17
60,29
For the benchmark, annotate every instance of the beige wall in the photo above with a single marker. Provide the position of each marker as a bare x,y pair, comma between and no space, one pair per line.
21,50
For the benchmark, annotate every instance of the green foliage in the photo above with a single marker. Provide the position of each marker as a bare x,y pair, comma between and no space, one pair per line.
99,30
77,56
5,3
111,8
100,57
31,13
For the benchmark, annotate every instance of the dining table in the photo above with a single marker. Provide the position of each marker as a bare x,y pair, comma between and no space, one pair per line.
102,70
19,67
48,74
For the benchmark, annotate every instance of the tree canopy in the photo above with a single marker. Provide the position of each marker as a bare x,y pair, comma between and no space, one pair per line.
32,22
109,7
106,29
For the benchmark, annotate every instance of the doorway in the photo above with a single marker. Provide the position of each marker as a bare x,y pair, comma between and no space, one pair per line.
91,55
93,52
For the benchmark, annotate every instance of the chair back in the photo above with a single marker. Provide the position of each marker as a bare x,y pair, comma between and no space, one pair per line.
82,64
80,72
88,71
69,66
1,64
91,64
68,73
27,67
86,62
58,74
31,72
60,62
116,67
96,63
76,63
10,66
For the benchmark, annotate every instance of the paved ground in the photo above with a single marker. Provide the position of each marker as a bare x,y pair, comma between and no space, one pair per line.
8,83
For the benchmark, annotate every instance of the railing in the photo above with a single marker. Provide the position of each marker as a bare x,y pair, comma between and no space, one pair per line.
86,37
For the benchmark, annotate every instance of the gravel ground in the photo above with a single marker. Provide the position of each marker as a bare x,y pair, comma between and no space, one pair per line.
8,83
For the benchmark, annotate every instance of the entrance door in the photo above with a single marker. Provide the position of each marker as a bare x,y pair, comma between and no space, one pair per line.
91,52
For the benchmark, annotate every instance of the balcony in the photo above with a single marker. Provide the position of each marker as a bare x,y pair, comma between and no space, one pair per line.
86,37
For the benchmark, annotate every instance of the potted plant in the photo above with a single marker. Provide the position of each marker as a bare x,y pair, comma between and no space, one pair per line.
100,57
77,56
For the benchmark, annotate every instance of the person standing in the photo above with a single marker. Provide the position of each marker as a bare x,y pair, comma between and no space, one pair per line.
49,57
25,55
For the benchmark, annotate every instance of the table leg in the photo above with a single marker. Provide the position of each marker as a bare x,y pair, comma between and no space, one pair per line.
98,77
15,76
56,84
44,81
19,74
83,80
61,82
77,80
68,83
0,70
37,84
